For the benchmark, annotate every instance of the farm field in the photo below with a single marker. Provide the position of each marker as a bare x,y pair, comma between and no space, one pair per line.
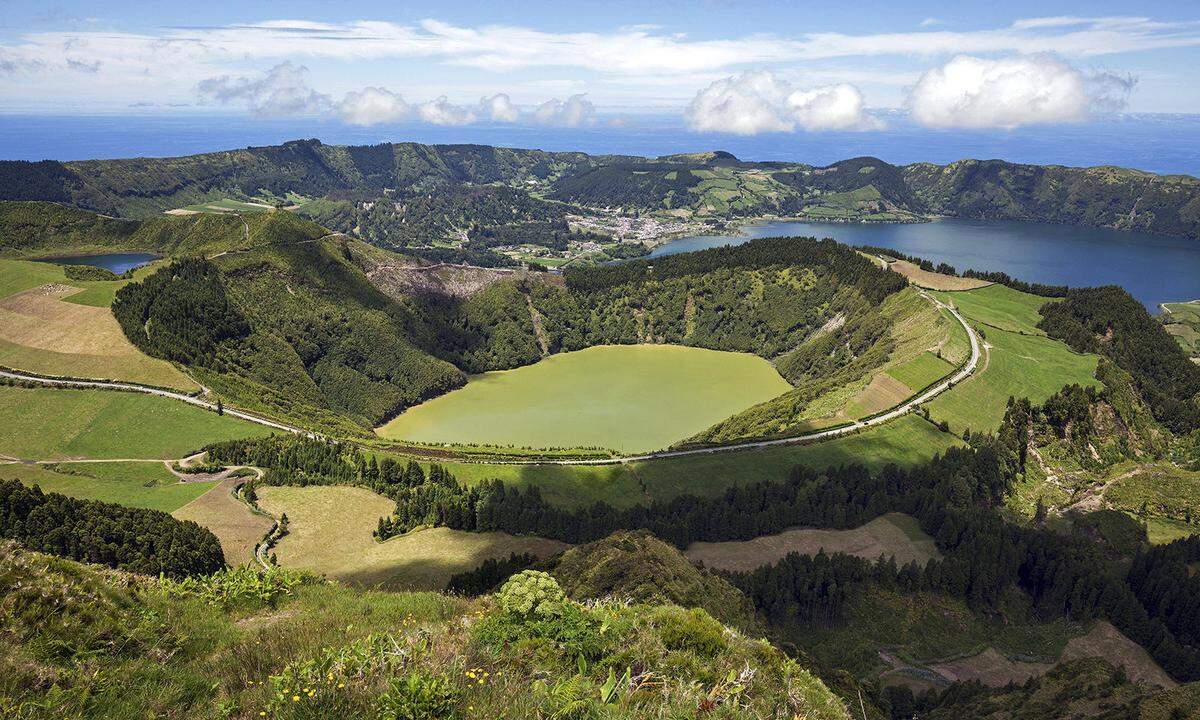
43,330
628,398
329,532
1000,307
906,441
892,535
1182,320
136,484
236,527
934,280
55,424
1015,365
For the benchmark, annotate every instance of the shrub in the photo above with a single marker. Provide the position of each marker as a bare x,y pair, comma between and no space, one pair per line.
242,586
532,593
418,696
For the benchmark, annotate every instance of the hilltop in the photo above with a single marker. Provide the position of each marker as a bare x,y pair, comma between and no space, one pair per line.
375,188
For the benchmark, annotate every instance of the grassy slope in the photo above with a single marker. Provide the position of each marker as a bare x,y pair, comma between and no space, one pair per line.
46,424
1183,321
82,644
1020,362
638,398
136,484
330,528
117,363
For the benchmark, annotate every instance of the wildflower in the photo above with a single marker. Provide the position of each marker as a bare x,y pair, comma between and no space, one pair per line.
295,698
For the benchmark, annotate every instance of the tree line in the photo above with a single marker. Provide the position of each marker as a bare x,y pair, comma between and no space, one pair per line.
149,542
1108,321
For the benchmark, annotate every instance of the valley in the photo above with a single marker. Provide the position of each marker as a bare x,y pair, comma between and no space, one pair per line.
351,377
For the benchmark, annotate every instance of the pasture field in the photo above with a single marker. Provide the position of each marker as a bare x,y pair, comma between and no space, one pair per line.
224,205
136,484
236,527
921,372
329,532
905,441
1183,321
892,535
1016,365
1000,307
44,330
628,398
933,280
57,424
1163,495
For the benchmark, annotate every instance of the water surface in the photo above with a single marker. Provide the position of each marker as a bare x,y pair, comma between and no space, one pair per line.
117,262
1153,268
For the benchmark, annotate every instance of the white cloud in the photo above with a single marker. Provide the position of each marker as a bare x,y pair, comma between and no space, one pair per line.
498,108
757,102
971,92
372,106
930,22
834,107
573,112
283,90
443,112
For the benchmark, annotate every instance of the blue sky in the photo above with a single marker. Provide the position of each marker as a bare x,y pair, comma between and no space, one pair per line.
743,68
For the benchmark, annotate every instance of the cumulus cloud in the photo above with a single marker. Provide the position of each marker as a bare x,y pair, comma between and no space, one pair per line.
971,92
284,90
372,106
573,112
443,112
499,108
757,102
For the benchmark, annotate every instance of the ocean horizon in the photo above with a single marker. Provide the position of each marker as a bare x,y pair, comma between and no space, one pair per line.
1167,144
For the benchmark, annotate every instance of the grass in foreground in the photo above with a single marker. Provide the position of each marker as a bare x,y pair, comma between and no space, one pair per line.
136,484
629,398
53,424
242,645
329,532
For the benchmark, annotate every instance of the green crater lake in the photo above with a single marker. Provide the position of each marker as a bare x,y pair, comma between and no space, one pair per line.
630,398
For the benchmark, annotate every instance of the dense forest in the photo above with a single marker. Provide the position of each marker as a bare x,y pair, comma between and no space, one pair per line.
149,542
1109,322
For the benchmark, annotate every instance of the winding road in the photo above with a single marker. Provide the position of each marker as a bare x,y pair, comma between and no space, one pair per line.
904,408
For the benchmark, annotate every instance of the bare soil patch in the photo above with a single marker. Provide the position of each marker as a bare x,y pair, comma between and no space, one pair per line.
895,535
933,280
238,529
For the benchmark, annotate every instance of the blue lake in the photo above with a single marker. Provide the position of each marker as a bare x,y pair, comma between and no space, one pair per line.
117,262
1153,268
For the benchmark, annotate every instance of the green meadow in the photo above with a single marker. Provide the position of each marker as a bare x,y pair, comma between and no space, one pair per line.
136,484
998,306
628,398
906,441
1019,360
50,424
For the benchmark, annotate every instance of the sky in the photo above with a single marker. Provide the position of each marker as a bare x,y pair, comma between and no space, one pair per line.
742,68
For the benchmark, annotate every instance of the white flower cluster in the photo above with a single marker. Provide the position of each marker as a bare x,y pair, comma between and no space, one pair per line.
532,592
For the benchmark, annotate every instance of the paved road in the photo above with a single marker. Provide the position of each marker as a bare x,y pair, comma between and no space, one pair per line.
892,414
106,385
